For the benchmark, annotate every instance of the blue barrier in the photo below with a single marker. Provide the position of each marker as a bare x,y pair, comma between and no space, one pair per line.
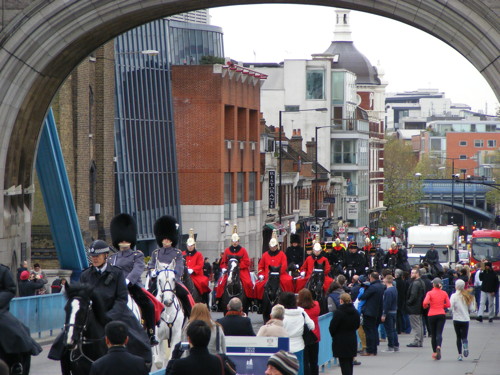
40,313
325,356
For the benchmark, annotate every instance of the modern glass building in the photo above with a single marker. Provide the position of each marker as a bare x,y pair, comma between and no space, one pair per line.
145,153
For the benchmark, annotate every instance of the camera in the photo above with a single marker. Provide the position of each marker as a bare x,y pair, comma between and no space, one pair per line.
184,346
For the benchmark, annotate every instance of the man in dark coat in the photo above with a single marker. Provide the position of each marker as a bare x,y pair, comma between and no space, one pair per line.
295,252
343,327
15,338
354,260
432,257
118,360
415,297
234,323
29,284
199,361
372,312
489,287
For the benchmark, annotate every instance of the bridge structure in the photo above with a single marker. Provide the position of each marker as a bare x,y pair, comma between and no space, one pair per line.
42,41
467,196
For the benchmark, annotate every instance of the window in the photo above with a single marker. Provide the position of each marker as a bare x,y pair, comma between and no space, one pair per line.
240,194
227,196
492,143
478,143
252,187
463,143
463,157
314,84
344,151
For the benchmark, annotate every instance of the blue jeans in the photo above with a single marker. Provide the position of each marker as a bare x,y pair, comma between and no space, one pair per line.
300,358
390,329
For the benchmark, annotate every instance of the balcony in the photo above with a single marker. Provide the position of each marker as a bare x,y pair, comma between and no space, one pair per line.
347,125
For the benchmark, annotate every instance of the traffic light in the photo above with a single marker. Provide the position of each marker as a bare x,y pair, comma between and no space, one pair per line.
393,231
462,231
473,227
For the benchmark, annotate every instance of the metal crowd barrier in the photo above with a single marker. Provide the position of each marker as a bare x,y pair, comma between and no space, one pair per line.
41,314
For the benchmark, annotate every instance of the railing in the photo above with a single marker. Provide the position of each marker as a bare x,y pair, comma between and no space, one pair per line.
41,314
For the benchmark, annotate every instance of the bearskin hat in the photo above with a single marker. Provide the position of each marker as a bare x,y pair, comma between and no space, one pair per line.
294,238
123,228
166,227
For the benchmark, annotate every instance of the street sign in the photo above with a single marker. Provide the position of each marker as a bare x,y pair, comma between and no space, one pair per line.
366,230
341,230
272,189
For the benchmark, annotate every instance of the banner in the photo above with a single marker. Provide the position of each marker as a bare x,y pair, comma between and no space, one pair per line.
272,189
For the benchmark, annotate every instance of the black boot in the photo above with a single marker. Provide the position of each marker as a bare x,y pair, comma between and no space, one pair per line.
152,337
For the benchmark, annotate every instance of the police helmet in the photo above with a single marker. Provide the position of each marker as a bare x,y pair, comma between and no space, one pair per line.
98,247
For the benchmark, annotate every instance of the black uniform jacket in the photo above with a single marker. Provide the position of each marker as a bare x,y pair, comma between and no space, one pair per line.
119,361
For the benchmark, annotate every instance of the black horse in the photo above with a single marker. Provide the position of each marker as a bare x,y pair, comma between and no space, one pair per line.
83,336
315,285
272,291
234,286
189,284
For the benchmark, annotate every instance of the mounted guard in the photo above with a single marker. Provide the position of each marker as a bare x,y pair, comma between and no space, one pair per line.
194,265
309,267
276,258
165,230
233,251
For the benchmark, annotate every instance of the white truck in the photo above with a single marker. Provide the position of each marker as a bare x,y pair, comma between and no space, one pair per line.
444,238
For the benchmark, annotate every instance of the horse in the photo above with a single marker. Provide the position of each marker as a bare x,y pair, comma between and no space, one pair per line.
83,335
315,285
272,291
189,284
172,318
234,286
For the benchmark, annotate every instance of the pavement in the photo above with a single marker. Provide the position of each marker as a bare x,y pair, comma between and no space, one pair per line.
483,359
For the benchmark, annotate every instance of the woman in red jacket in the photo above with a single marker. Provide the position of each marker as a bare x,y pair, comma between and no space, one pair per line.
436,300
311,352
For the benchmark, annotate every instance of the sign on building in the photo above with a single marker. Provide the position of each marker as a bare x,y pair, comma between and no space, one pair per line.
272,189
352,211
304,207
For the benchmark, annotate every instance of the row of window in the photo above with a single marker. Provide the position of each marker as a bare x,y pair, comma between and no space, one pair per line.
480,143
240,194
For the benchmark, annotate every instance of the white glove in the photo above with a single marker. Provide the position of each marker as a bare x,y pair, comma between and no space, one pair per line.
152,273
224,270
127,281
190,271
261,277
303,273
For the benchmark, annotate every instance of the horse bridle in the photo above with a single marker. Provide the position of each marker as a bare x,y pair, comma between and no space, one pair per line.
169,288
228,287
81,339
266,291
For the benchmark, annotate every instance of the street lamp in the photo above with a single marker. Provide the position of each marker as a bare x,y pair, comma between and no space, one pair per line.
452,184
280,199
316,185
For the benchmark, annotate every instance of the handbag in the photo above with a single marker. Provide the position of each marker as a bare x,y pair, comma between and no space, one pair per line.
308,335
227,364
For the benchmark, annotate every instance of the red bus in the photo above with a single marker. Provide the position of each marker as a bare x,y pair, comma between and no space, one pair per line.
486,246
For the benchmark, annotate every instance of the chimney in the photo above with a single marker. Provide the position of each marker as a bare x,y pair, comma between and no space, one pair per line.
311,149
296,141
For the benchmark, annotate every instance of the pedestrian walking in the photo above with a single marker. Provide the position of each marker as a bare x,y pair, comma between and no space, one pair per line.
489,287
416,293
343,328
436,300
462,303
389,314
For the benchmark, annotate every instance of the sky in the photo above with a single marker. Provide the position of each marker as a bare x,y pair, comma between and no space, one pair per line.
411,58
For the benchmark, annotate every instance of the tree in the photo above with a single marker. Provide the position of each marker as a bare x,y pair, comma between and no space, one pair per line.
210,60
402,189
493,196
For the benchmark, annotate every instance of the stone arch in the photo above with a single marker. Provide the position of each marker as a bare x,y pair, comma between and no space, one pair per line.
47,39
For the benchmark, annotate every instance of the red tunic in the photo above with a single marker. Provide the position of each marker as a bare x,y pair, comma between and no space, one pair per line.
244,265
195,262
276,260
308,267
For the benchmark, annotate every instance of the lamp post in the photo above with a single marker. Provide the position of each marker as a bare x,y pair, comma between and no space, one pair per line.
316,185
280,181
452,185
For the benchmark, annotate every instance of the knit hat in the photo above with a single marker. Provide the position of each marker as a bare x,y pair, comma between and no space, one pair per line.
285,362
459,284
25,275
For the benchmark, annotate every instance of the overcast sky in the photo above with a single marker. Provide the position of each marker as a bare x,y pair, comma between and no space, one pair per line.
411,58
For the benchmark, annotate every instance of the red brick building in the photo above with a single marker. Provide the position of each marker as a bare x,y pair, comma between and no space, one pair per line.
217,114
